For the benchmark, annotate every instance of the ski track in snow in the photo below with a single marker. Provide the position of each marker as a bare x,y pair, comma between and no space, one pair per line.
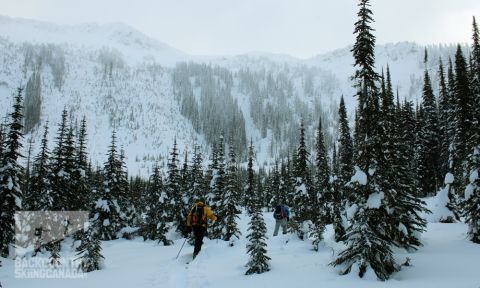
446,260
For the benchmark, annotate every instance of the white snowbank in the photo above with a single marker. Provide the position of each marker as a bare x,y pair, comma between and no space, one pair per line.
437,206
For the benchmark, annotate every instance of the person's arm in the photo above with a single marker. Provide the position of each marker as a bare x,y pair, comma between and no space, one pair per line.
209,214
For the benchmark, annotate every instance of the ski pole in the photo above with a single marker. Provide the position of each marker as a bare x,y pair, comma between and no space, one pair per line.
181,248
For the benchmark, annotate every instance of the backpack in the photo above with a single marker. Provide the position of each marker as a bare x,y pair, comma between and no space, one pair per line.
197,215
279,212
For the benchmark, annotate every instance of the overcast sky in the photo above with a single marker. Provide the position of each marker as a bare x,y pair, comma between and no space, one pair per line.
300,28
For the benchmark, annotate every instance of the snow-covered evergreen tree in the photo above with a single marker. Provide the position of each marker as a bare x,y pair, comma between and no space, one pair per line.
60,178
322,214
304,200
429,156
108,209
256,246
217,231
155,226
462,122
345,171
80,173
11,195
198,185
287,182
89,252
367,245
472,191
273,186
407,224
472,198
445,109
176,205
322,178
231,199
249,194
40,196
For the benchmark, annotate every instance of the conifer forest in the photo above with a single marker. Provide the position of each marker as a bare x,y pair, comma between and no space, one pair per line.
368,167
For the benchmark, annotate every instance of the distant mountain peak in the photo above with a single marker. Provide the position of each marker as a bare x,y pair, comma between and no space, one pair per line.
132,43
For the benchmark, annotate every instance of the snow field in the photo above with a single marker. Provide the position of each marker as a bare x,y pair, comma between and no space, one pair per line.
447,260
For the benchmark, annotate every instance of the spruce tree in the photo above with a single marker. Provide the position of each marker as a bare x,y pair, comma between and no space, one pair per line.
304,198
184,185
429,175
89,252
471,208
41,194
274,184
285,184
172,188
323,186
71,198
444,111
368,246
155,226
231,198
462,120
407,223
218,184
197,186
80,173
211,177
130,217
59,183
345,148
250,188
322,214
108,209
11,195
472,197
475,86
256,246
345,171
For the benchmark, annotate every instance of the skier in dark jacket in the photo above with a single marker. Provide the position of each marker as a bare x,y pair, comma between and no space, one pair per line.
197,222
282,216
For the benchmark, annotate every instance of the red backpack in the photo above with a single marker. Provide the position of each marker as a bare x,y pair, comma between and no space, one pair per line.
198,217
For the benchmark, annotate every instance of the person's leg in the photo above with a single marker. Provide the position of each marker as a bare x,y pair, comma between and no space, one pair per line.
277,226
199,233
284,226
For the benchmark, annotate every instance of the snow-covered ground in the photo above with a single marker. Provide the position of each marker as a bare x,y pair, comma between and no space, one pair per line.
447,260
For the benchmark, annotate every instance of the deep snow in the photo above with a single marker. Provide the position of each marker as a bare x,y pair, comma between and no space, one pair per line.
447,260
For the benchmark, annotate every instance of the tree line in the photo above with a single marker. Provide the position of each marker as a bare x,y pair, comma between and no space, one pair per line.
369,185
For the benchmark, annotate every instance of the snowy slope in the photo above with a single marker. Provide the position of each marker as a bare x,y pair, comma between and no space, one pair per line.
134,45
118,77
447,260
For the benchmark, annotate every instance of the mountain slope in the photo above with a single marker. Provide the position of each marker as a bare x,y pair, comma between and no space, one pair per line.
119,78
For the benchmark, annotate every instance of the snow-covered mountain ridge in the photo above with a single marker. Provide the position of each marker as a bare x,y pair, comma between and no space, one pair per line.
118,77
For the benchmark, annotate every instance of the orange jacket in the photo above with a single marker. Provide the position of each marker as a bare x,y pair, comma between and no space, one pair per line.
207,213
